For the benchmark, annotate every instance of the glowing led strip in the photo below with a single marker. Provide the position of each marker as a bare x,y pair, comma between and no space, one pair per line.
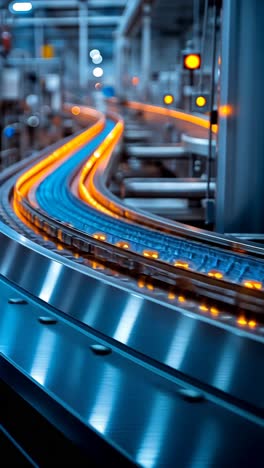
31,177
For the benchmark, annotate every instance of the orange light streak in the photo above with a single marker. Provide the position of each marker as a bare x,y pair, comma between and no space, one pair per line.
215,274
181,299
33,175
252,284
184,116
181,264
241,321
150,254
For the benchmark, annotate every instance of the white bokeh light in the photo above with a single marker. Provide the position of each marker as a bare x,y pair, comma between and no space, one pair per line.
94,52
22,7
97,59
98,72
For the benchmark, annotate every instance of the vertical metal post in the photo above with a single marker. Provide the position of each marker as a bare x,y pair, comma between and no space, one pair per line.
119,65
240,186
212,95
83,44
146,50
196,13
38,38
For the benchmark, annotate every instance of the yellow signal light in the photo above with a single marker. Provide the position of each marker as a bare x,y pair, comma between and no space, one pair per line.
168,99
200,101
192,61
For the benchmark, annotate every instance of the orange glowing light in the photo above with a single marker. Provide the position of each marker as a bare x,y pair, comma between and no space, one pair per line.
123,244
215,274
27,182
203,308
175,114
200,101
100,236
150,254
181,299
76,110
168,99
97,266
87,188
251,284
98,86
242,321
192,61
252,323
214,311
141,283
181,264
171,296
150,287
226,110
135,80
214,128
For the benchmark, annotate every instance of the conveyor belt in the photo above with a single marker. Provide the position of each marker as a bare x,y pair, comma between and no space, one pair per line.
54,198
156,349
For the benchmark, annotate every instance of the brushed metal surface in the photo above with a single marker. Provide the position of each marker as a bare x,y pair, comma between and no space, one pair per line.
173,151
165,187
196,145
218,355
130,404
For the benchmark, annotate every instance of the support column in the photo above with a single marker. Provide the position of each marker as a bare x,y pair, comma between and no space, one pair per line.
119,63
38,38
83,44
146,51
240,172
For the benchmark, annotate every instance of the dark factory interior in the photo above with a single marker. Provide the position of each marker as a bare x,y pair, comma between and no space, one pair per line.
131,233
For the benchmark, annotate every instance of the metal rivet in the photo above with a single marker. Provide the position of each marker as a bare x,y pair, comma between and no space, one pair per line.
47,320
100,349
17,300
191,395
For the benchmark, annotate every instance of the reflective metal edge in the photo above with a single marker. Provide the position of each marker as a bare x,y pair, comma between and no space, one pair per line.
190,344
119,404
197,145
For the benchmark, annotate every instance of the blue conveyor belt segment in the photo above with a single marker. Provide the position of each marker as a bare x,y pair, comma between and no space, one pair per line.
55,198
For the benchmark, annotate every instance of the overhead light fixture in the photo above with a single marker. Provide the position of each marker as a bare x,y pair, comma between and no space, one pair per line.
20,7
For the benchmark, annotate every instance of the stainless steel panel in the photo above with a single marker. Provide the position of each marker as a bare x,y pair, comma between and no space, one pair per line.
165,187
209,351
125,400
197,145
159,152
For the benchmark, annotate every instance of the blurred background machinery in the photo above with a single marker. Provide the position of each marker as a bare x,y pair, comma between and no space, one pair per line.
131,232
